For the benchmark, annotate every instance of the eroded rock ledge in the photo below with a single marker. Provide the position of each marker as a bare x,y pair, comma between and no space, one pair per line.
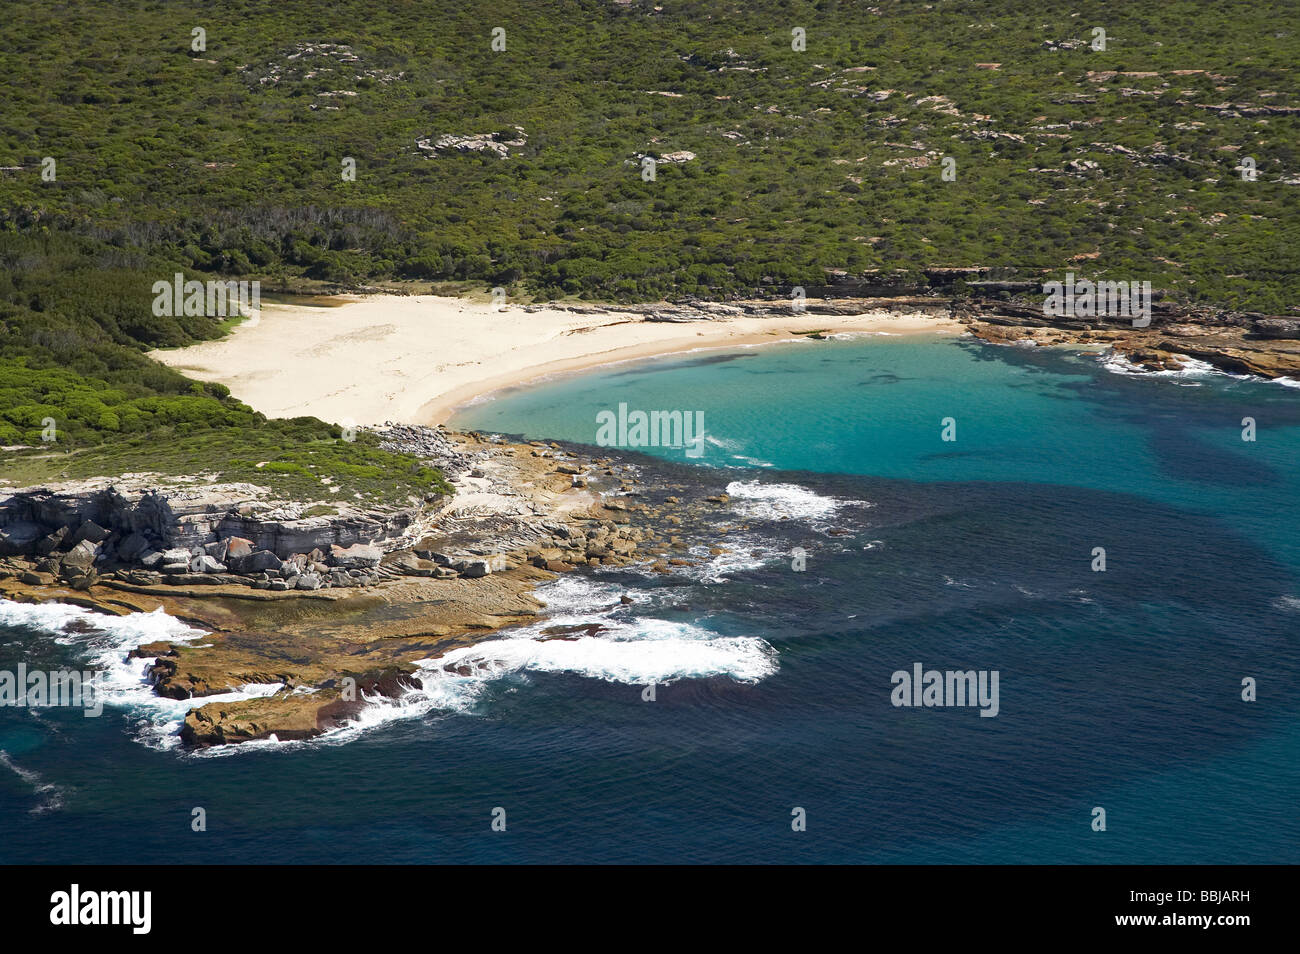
1235,342
446,575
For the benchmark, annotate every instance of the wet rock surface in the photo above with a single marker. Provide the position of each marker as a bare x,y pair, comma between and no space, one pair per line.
1267,346
306,624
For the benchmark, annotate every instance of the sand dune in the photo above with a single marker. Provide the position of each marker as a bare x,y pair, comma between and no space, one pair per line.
414,359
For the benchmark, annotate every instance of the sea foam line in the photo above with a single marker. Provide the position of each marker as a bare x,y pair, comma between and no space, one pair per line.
769,501
628,649
124,684
51,795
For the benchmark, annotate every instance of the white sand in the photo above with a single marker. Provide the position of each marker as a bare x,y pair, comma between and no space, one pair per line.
414,359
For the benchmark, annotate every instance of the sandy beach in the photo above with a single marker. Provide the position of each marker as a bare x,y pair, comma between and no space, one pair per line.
415,359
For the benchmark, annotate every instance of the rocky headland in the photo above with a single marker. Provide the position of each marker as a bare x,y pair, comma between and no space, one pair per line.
320,596
331,607
1003,312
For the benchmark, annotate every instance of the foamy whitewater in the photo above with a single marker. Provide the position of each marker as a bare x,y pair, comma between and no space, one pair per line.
628,648
631,647
766,501
124,684
1192,374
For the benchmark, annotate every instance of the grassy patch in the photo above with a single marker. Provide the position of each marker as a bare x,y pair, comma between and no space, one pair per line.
293,460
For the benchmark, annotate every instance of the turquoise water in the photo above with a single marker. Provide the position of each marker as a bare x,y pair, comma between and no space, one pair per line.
1118,689
1050,417
876,407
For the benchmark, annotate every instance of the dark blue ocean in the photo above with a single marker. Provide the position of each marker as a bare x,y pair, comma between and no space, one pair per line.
1119,690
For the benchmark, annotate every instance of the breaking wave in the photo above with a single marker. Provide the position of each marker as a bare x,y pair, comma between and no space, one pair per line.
767,501
104,643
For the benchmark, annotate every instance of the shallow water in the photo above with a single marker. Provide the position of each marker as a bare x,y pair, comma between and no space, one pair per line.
1118,689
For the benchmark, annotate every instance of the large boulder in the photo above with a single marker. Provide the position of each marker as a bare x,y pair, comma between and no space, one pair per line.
132,547
257,562
480,566
411,565
79,560
237,551
89,530
356,557
19,537
207,564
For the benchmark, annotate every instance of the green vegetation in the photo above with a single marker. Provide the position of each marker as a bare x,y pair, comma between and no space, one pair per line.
227,162
72,333
229,159
297,458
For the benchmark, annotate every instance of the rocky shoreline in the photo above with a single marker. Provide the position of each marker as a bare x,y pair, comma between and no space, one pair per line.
1267,346
392,587
338,604
1002,312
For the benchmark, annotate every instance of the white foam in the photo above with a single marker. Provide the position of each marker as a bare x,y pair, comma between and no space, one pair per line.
723,442
720,566
732,449
51,795
1191,374
741,553
123,682
636,653
633,650
1117,363
630,649
764,501
133,629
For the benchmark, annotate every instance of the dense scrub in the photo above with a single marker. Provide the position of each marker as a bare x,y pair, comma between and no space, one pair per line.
229,160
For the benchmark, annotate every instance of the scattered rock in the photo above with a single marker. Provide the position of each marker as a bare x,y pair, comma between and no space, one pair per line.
1277,328
207,564
89,530
81,557
357,556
